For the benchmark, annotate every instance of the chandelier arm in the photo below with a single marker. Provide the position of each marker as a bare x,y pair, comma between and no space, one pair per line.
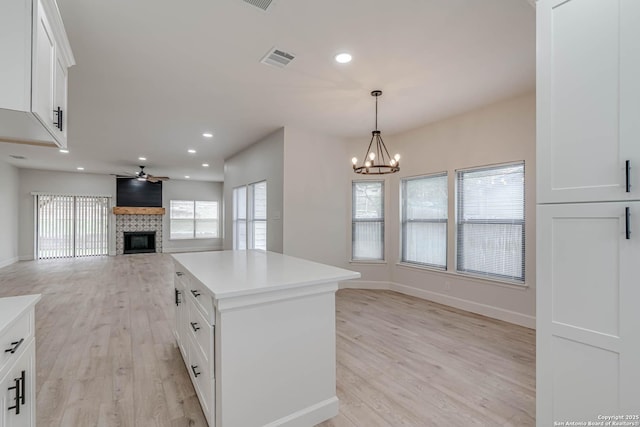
385,149
366,155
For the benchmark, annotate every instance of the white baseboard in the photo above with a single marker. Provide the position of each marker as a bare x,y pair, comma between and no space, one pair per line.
462,304
7,262
193,249
466,305
26,258
364,284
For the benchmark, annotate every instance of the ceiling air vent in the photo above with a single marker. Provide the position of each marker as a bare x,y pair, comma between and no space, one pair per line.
277,58
262,4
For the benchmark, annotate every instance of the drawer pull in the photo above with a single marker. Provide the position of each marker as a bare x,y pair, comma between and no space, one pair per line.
627,168
195,293
627,222
20,394
195,373
177,297
195,326
15,346
179,273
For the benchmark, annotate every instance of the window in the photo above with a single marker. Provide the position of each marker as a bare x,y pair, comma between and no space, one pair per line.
258,216
490,222
71,226
424,220
191,219
240,217
367,231
250,216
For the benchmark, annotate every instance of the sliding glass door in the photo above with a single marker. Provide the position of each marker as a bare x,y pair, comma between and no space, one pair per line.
71,226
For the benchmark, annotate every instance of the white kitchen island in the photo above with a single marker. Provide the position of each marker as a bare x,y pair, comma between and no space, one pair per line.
257,332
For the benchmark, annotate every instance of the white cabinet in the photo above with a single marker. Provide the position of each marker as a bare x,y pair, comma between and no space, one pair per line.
17,361
588,336
33,88
588,100
588,221
260,337
195,334
18,390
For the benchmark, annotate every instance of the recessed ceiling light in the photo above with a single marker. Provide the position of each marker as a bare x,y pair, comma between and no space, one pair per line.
63,150
187,176
207,135
80,168
205,165
343,58
191,151
142,158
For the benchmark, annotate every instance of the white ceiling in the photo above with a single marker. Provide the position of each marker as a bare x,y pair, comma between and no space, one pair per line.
153,75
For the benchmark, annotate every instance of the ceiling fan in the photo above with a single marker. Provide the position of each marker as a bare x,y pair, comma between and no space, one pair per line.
141,175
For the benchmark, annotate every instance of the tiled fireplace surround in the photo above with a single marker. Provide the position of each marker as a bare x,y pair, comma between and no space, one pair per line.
138,223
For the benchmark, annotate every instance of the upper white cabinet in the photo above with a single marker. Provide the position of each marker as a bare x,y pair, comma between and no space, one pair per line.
33,74
588,100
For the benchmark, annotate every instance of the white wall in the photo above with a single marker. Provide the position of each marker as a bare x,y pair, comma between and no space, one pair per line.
73,183
261,161
190,190
497,133
8,214
315,200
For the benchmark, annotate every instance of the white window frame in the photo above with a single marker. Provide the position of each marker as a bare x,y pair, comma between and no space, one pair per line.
404,221
195,220
459,227
250,220
380,220
239,244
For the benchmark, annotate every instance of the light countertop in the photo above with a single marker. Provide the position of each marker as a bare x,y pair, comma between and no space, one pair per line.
12,308
238,273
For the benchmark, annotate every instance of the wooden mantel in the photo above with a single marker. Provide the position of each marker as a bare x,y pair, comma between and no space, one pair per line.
125,210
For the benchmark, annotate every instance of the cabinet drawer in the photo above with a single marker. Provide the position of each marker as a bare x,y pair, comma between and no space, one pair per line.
202,299
202,333
14,339
201,378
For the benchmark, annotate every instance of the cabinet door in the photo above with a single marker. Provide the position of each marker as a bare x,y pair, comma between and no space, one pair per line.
60,99
588,100
20,379
43,70
588,322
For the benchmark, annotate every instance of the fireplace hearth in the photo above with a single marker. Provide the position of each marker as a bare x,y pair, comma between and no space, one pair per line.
139,242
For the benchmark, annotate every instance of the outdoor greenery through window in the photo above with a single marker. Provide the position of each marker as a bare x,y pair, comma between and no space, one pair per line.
191,219
367,220
491,222
424,220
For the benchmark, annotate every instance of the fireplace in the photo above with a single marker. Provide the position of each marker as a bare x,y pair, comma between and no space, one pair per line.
138,242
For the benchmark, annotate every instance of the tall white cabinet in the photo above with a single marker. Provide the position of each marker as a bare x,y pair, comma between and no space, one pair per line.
588,195
35,56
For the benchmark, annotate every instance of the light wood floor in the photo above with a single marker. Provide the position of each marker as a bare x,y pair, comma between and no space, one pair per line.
106,355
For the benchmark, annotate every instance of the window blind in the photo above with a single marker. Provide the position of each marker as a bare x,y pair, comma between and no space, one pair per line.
72,226
491,222
424,220
193,219
240,218
367,227
258,203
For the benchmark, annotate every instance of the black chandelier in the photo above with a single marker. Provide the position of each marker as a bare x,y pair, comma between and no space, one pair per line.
377,161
